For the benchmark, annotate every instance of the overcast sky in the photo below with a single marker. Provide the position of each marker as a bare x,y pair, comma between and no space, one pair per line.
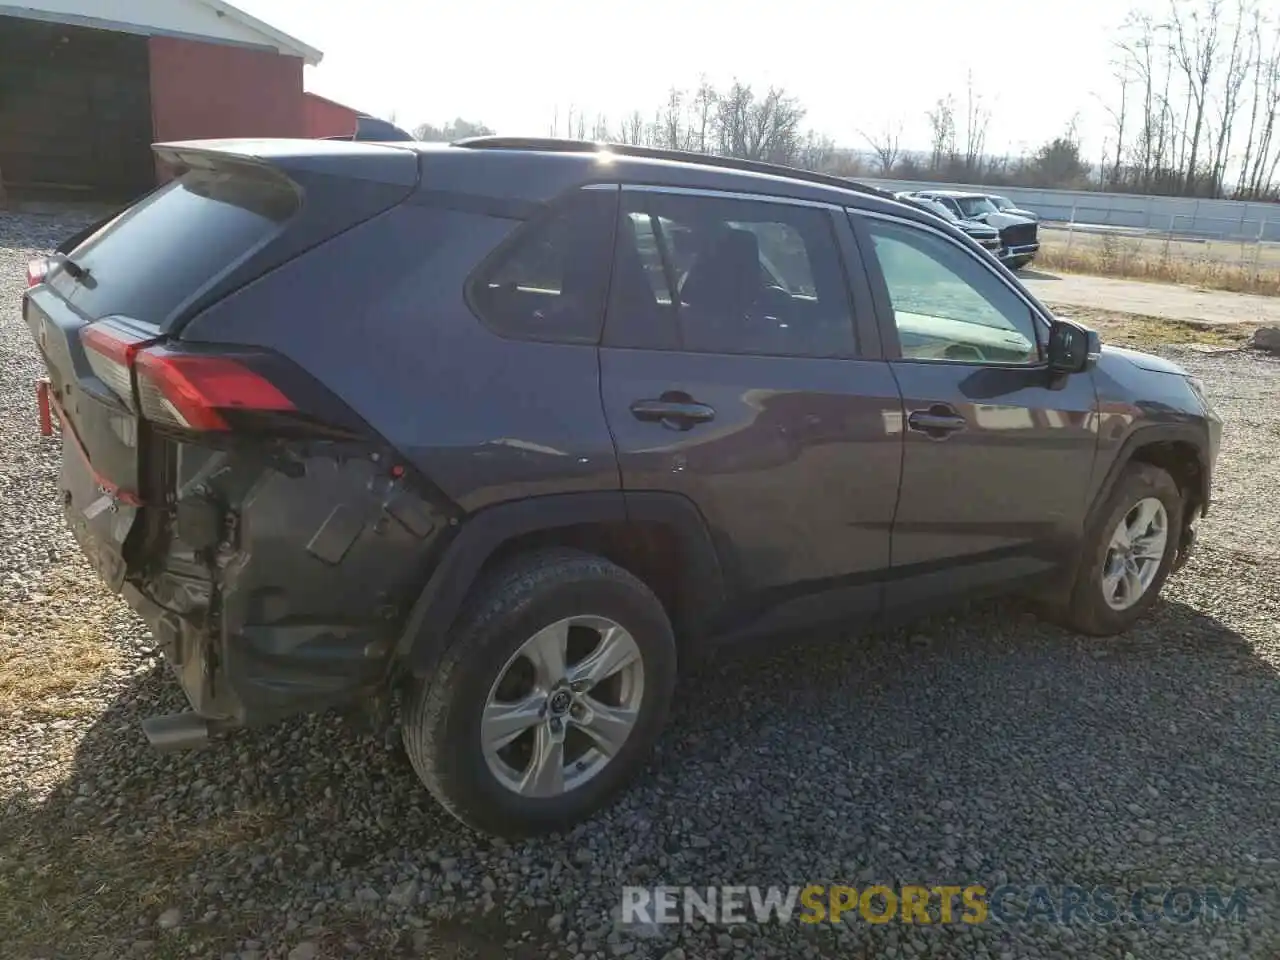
855,64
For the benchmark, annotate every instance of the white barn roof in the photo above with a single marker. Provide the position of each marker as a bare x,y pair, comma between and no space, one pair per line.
210,20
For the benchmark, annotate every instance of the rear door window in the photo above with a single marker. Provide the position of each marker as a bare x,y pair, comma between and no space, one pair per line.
160,253
707,274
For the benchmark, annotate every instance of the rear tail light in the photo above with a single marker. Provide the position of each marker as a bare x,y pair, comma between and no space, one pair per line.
195,391
187,390
111,352
36,272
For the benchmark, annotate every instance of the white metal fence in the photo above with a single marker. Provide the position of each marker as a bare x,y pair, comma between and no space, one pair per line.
1235,220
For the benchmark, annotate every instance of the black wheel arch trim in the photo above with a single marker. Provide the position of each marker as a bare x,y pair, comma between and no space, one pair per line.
437,607
1158,433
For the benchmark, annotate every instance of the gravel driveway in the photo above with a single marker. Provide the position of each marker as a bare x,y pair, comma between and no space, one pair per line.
987,747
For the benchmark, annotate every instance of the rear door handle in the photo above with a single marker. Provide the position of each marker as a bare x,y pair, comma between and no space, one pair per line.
938,421
677,414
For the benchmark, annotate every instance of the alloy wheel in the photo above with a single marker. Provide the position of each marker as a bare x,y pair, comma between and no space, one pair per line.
562,706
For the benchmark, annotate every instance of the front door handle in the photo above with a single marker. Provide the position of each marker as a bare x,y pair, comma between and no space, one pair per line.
676,414
938,422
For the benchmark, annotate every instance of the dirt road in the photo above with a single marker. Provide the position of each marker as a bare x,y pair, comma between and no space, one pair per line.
1152,299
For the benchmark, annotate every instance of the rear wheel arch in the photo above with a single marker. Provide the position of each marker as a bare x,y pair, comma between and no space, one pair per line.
661,538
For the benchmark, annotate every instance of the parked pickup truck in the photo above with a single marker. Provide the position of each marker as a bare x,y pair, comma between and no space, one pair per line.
1018,235
987,237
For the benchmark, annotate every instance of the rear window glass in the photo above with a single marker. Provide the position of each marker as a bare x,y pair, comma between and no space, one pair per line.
147,262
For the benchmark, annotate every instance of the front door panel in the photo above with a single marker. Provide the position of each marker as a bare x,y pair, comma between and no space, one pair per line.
997,452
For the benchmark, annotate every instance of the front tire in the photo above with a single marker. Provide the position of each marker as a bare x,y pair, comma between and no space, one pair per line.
1129,550
549,698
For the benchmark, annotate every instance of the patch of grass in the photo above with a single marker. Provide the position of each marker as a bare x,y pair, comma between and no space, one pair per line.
1111,255
53,645
65,891
1135,330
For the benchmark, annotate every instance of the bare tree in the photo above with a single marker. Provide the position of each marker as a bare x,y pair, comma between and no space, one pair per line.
1267,107
1255,99
1239,56
633,131
670,133
767,128
816,152
886,145
702,121
1195,49
1123,73
942,132
977,118
457,129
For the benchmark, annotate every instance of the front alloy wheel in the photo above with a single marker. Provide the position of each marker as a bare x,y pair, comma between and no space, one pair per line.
1135,553
1127,551
563,706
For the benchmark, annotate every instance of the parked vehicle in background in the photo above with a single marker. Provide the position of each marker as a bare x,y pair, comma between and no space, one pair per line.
1005,205
986,236
1019,236
372,129
510,427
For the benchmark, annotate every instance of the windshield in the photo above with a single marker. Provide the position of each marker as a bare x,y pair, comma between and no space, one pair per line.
976,206
1001,203
941,209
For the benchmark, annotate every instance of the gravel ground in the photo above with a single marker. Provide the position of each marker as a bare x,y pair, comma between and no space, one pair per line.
987,747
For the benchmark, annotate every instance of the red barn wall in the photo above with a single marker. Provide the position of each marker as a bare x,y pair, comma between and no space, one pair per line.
205,90
324,118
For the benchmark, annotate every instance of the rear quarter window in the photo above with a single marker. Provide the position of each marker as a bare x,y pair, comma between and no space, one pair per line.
164,250
549,281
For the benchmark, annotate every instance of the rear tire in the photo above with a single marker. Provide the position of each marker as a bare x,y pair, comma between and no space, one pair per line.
506,630
1116,584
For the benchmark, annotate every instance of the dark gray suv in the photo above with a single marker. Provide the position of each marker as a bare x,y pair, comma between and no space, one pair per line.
508,427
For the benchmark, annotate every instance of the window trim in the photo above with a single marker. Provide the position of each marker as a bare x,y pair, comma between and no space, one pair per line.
883,303
834,216
522,227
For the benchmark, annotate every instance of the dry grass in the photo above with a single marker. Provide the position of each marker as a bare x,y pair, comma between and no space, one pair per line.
60,887
53,645
1238,268
1143,333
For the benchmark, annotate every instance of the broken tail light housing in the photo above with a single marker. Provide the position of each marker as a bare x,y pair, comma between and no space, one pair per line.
212,390
37,270
195,391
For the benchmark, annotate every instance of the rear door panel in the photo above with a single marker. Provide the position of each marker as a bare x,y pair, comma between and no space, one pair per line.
797,473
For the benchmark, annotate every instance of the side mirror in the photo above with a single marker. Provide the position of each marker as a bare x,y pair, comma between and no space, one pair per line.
1071,347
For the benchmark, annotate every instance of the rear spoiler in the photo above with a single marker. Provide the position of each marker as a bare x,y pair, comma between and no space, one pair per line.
297,159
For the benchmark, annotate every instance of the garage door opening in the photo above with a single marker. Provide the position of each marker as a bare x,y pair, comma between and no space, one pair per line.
75,112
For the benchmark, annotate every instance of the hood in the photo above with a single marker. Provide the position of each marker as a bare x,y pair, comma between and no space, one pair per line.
1143,361
1002,220
976,228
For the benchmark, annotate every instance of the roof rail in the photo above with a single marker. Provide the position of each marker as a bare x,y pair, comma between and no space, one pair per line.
551,144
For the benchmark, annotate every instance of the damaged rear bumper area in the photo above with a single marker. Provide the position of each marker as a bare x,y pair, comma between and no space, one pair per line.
278,584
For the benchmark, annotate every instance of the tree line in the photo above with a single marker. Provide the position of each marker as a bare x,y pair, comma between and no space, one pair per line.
1197,102
1194,111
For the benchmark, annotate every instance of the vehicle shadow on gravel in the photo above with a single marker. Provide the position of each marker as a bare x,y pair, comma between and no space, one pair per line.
980,747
